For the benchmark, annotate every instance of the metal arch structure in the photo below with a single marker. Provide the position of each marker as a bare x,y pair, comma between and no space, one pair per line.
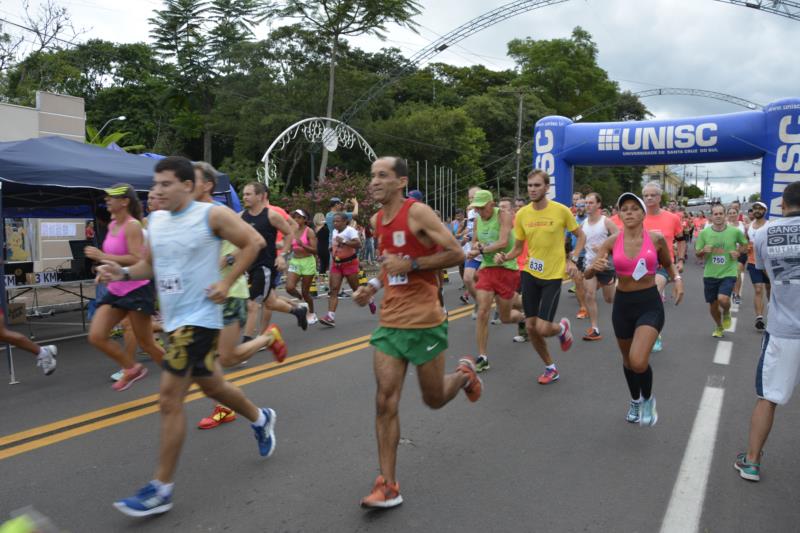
674,91
315,130
785,8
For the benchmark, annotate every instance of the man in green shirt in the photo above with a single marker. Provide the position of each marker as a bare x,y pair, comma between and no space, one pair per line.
497,281
720,245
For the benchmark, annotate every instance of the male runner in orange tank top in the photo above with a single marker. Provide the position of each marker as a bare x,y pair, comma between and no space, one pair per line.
413,246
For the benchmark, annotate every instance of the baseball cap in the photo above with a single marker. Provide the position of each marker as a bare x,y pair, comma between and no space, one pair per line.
760,204
626,195
481,198
335,200
415,194
117,190
300,212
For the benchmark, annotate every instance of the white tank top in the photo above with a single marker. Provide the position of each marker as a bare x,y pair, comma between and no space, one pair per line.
596,234
186,261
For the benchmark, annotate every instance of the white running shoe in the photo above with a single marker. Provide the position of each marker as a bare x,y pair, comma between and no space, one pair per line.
312,319
46,360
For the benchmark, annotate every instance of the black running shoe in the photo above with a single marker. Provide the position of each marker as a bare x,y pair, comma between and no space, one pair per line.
760,326
302,318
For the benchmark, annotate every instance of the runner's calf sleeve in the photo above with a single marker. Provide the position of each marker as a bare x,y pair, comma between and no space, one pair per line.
646,380
632,378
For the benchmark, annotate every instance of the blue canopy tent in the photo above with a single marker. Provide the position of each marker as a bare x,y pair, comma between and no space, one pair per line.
53,174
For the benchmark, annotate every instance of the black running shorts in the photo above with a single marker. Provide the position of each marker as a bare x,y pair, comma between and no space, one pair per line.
540,296
637,308
191,349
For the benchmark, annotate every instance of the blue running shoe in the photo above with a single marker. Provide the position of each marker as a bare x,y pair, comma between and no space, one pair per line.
146,502
633,412
649,415
658,346
265,435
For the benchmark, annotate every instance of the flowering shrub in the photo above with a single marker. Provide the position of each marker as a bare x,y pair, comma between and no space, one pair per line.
339,183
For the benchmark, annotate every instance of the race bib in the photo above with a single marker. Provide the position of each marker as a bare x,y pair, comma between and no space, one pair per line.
640,270
536,265
718,259
399,279
399,238
170,284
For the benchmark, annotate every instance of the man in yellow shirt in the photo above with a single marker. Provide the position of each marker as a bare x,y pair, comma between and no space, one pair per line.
541,224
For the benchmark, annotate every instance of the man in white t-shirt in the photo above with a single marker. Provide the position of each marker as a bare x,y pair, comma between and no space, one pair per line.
471,266
345,243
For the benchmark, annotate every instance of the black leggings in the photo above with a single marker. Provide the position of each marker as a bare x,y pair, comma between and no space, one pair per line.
637,308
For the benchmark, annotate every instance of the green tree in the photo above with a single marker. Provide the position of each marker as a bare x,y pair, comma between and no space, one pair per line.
334,19
693,191
755,197
201,37
92,137
441,136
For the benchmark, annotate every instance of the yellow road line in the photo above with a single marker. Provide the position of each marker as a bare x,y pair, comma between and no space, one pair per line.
138,408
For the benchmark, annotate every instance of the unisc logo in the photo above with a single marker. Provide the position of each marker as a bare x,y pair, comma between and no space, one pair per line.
647,138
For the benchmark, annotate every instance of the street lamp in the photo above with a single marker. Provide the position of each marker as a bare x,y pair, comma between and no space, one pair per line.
109,121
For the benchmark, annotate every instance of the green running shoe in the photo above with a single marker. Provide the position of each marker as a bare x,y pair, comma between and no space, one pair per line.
726,321
719,332
749,471
481,364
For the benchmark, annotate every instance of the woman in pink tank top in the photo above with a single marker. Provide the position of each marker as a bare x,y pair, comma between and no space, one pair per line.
134,300
303,264
638,312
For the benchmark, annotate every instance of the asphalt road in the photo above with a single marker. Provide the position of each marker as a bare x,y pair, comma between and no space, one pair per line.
526,457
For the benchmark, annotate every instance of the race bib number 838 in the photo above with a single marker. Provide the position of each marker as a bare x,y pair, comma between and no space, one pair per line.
536,265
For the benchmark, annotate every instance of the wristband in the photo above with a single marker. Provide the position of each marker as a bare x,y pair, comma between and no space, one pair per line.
126,274
677,278
230,259
376,283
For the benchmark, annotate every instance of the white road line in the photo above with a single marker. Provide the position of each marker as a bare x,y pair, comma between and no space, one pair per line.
686,503
733,325
722,356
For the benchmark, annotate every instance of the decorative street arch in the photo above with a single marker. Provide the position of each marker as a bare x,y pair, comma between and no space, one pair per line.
316,130
772,134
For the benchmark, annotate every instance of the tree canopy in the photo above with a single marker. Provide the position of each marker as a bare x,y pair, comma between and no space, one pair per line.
204,86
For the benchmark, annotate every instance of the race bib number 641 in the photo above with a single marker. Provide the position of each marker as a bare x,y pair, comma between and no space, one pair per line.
536,265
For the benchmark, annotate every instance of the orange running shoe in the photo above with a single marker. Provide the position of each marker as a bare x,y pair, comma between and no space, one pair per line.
474,385
278,347
384,495
221,415
582,313
592,335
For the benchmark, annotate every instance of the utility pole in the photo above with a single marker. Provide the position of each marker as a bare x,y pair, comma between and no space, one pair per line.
520,94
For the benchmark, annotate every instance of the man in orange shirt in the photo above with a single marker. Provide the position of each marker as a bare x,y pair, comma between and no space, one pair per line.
668,225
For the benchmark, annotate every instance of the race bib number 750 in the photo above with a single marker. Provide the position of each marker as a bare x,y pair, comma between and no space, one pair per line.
718,259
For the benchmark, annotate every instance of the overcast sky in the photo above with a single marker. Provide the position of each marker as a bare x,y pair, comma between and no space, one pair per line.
643,44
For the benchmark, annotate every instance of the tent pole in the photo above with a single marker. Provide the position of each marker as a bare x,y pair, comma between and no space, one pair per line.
12,377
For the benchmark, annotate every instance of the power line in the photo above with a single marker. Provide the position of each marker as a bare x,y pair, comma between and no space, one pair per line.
55,38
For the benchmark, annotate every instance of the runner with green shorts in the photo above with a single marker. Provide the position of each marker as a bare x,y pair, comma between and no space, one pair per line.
303,264
413,246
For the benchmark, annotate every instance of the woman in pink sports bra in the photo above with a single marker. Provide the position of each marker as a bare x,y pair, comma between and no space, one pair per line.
303,264
638,312
134,300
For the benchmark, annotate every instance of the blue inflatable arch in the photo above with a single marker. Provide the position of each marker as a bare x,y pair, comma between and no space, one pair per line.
772,134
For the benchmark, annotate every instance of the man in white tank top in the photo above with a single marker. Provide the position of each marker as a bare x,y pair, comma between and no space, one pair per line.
597,229
185,239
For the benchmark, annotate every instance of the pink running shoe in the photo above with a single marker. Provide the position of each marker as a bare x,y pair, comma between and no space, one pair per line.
130,376
566,337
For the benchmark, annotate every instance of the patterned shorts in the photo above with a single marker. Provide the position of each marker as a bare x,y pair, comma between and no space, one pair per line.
191,348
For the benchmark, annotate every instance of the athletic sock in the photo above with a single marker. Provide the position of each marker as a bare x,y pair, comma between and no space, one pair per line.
42,352
163,489
634,385
563,328
261,420
550,367
332,314
646,379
